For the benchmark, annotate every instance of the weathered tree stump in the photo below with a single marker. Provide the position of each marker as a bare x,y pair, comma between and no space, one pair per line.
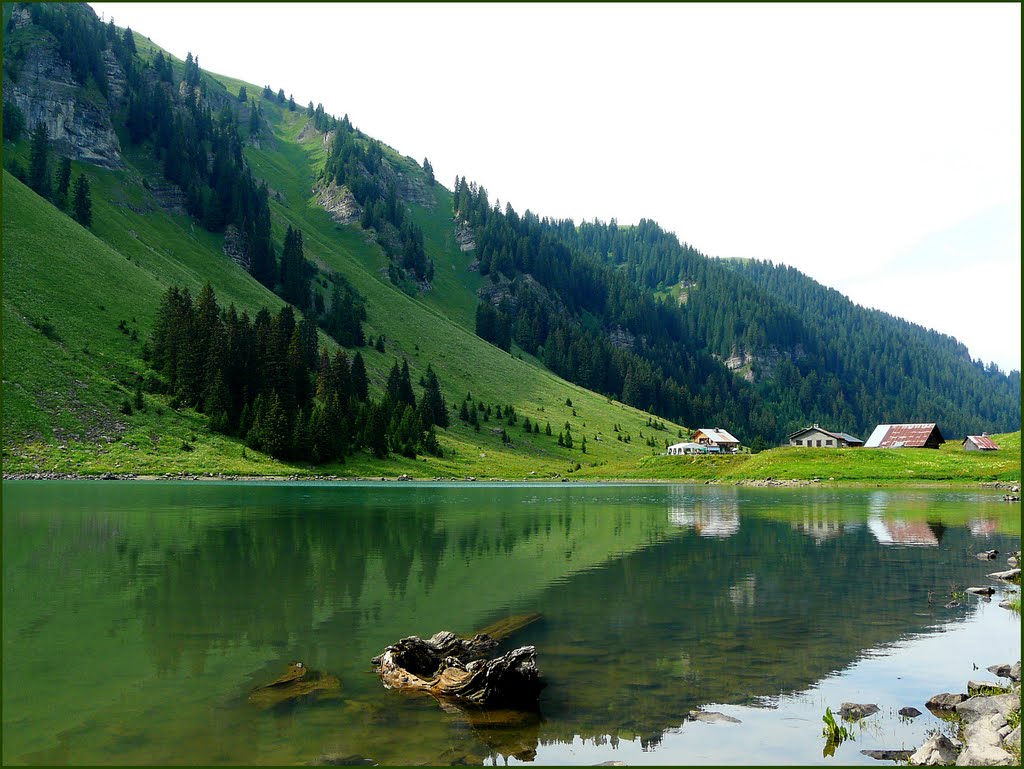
297,683
447,666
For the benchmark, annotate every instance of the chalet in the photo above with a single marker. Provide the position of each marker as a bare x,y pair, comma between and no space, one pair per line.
716,437
909,436
979,443
678,449
820,438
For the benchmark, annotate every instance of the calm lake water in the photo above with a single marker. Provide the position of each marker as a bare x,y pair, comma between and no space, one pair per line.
137,617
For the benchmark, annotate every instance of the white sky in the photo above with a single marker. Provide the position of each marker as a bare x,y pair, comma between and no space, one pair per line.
875,147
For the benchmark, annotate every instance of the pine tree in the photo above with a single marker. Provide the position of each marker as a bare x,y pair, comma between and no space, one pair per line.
38,175
82,210
242,95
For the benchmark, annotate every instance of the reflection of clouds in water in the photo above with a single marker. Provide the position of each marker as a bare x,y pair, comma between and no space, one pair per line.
896,531
982,527
711,513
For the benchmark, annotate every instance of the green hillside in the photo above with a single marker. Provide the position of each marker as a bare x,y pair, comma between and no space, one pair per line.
68,368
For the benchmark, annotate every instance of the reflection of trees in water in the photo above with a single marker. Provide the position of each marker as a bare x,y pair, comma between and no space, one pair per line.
271,579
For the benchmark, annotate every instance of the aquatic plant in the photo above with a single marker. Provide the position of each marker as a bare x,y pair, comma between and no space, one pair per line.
835,734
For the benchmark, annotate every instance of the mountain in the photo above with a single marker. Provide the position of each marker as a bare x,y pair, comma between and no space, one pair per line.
194,288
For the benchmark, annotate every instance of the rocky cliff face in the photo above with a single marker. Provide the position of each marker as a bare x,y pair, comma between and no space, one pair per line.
339,202
78,122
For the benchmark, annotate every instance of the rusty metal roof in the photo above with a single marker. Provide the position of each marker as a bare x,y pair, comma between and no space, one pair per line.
982,442
910,436
717,435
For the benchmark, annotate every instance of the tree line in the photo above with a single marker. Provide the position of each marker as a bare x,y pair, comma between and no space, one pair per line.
267,381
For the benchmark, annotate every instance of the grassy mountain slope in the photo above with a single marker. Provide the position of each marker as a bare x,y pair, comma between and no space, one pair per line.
82,284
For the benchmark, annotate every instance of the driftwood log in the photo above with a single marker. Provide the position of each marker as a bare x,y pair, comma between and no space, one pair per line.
298,682
447,666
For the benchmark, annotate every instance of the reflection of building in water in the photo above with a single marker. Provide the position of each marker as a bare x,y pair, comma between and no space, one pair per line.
711,513
818,526
982,527
896,531
743,592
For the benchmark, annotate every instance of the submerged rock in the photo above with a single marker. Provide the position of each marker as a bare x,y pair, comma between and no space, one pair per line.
987,555
298,682
1009,574
909,712
888,755
711,717
981,590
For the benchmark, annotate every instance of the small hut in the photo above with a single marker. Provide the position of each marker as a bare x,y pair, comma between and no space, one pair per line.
979,443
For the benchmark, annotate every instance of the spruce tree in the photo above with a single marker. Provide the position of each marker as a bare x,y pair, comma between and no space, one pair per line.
63,183
82,206
360,385
38,174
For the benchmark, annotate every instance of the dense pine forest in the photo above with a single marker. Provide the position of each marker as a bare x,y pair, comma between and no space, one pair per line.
628,312
632,312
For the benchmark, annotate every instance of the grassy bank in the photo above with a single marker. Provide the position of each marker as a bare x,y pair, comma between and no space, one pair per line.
890,466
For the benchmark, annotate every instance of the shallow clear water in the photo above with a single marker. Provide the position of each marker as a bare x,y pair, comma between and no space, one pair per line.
137,617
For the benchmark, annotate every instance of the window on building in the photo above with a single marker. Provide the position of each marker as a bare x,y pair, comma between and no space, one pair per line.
819,443
828,441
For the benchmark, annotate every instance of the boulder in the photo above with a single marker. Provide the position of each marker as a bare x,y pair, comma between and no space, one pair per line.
1012,740
937,751
981,590
974,688
977,708
945,701
852,711
909,712
1015,671
1003,671
987,555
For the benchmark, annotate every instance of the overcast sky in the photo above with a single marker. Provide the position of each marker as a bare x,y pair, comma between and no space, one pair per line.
875,147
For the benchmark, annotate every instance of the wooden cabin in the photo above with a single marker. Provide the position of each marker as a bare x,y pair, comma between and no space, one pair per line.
979,443
820,438
716,437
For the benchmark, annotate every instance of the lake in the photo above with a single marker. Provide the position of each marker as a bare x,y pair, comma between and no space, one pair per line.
138,617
